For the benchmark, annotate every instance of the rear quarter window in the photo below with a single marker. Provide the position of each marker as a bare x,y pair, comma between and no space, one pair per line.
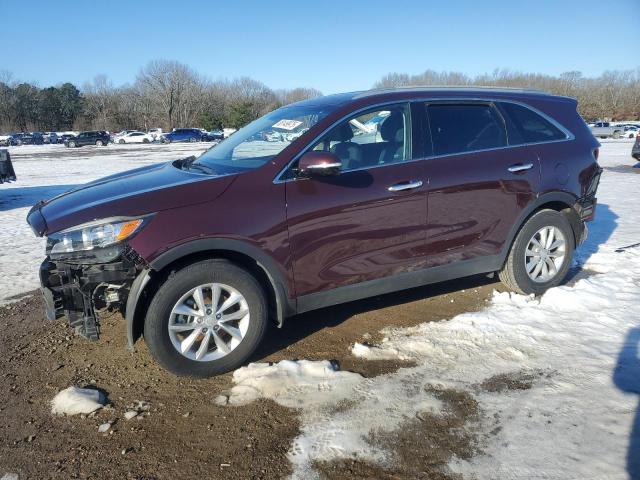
527,126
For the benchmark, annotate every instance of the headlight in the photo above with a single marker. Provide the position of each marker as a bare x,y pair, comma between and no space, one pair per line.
93,235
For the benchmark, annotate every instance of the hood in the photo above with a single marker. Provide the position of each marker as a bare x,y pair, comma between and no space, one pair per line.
131,193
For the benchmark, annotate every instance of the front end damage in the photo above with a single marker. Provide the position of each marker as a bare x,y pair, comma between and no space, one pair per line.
80,292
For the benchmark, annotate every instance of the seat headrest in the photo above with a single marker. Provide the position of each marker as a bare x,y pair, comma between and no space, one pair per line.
392,128
342,133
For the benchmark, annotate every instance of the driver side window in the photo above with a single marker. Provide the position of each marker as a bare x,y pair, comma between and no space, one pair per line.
377,137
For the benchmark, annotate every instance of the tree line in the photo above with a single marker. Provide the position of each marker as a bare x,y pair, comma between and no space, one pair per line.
165,94
169,94
614,95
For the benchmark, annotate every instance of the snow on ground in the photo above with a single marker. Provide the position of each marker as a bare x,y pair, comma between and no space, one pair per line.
44,171
580,419
74,401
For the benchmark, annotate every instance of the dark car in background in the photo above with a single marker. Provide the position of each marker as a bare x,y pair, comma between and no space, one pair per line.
94,137
635,150
34,138
7,173
201,254
212,136
182,135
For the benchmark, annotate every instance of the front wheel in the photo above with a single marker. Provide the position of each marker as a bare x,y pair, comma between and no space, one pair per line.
206,319
99,143
72,144
121,141
540,255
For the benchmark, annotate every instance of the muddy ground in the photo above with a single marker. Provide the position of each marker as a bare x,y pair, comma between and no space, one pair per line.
186,435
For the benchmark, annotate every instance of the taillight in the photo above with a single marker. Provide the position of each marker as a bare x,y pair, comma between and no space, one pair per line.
596,153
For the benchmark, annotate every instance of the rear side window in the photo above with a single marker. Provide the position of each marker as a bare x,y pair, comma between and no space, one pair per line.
529,127
459,128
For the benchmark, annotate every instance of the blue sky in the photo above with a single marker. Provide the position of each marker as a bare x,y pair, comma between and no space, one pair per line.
330,45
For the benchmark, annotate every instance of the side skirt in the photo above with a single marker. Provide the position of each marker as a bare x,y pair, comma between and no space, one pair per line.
398,282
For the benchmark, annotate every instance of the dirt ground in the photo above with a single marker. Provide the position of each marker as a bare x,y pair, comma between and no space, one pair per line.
186,435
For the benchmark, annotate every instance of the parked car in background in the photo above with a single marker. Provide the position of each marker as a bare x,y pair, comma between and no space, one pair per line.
134,137
5,140
212,136
94,137
7,173
201,254
33,138
155,133
64,137
635,151
51,138
182,135
115,136
630,131
605,130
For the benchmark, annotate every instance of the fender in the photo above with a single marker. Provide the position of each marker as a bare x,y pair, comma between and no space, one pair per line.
285,305
562,197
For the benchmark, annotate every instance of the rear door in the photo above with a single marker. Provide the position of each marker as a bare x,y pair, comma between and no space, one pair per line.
478,186
369,221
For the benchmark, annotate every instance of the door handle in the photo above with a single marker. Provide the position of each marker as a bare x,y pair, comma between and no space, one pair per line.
398,187
520,167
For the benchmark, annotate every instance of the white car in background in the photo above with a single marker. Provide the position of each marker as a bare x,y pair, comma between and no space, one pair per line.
134,137
155,133
631,131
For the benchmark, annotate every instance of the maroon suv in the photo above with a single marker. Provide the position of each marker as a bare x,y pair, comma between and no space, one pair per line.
354,195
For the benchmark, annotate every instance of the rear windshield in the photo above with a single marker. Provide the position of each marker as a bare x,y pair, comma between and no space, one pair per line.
529,127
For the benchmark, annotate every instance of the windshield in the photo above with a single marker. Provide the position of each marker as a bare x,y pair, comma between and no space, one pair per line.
257,143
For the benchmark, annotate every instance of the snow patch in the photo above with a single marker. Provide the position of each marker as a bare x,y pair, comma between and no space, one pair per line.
74,401
339,409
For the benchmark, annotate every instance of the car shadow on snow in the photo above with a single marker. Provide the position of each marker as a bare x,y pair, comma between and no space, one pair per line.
626,377
11,198
600,229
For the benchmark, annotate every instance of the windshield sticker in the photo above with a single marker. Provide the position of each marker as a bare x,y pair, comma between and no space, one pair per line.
287,124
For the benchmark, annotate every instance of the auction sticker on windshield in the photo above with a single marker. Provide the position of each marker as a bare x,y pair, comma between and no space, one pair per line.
287,124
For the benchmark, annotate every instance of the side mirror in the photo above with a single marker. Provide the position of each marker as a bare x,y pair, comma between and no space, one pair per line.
319,163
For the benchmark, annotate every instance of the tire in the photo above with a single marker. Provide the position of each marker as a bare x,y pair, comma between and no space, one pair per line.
99,143
145,140
121,141
514,273
72,144
166,140
193,140
170,295
616,134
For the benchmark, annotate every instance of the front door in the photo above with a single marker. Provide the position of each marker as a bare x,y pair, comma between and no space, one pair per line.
369,221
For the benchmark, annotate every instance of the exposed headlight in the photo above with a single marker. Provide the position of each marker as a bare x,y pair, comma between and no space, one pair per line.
93,235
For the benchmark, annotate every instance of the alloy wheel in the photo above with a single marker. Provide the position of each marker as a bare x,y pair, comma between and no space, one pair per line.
208,322
545,254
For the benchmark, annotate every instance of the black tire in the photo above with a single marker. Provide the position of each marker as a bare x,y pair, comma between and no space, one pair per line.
72,144
193,140
514,275
156,333
99,143
145,140
121,141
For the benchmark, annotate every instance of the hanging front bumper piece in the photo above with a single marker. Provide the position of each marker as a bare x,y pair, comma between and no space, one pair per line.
78,291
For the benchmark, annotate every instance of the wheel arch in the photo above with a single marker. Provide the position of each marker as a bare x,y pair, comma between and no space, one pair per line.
562,202
241,253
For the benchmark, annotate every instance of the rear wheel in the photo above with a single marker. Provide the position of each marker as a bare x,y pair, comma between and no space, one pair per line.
540,255
206,319
99,143
145,140
193,139
72,144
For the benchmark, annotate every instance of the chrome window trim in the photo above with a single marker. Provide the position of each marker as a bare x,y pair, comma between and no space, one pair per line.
569,135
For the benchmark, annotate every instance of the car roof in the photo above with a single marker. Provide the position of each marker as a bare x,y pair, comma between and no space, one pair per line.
404,93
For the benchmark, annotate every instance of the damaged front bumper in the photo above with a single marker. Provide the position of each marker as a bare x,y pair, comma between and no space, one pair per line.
78,291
